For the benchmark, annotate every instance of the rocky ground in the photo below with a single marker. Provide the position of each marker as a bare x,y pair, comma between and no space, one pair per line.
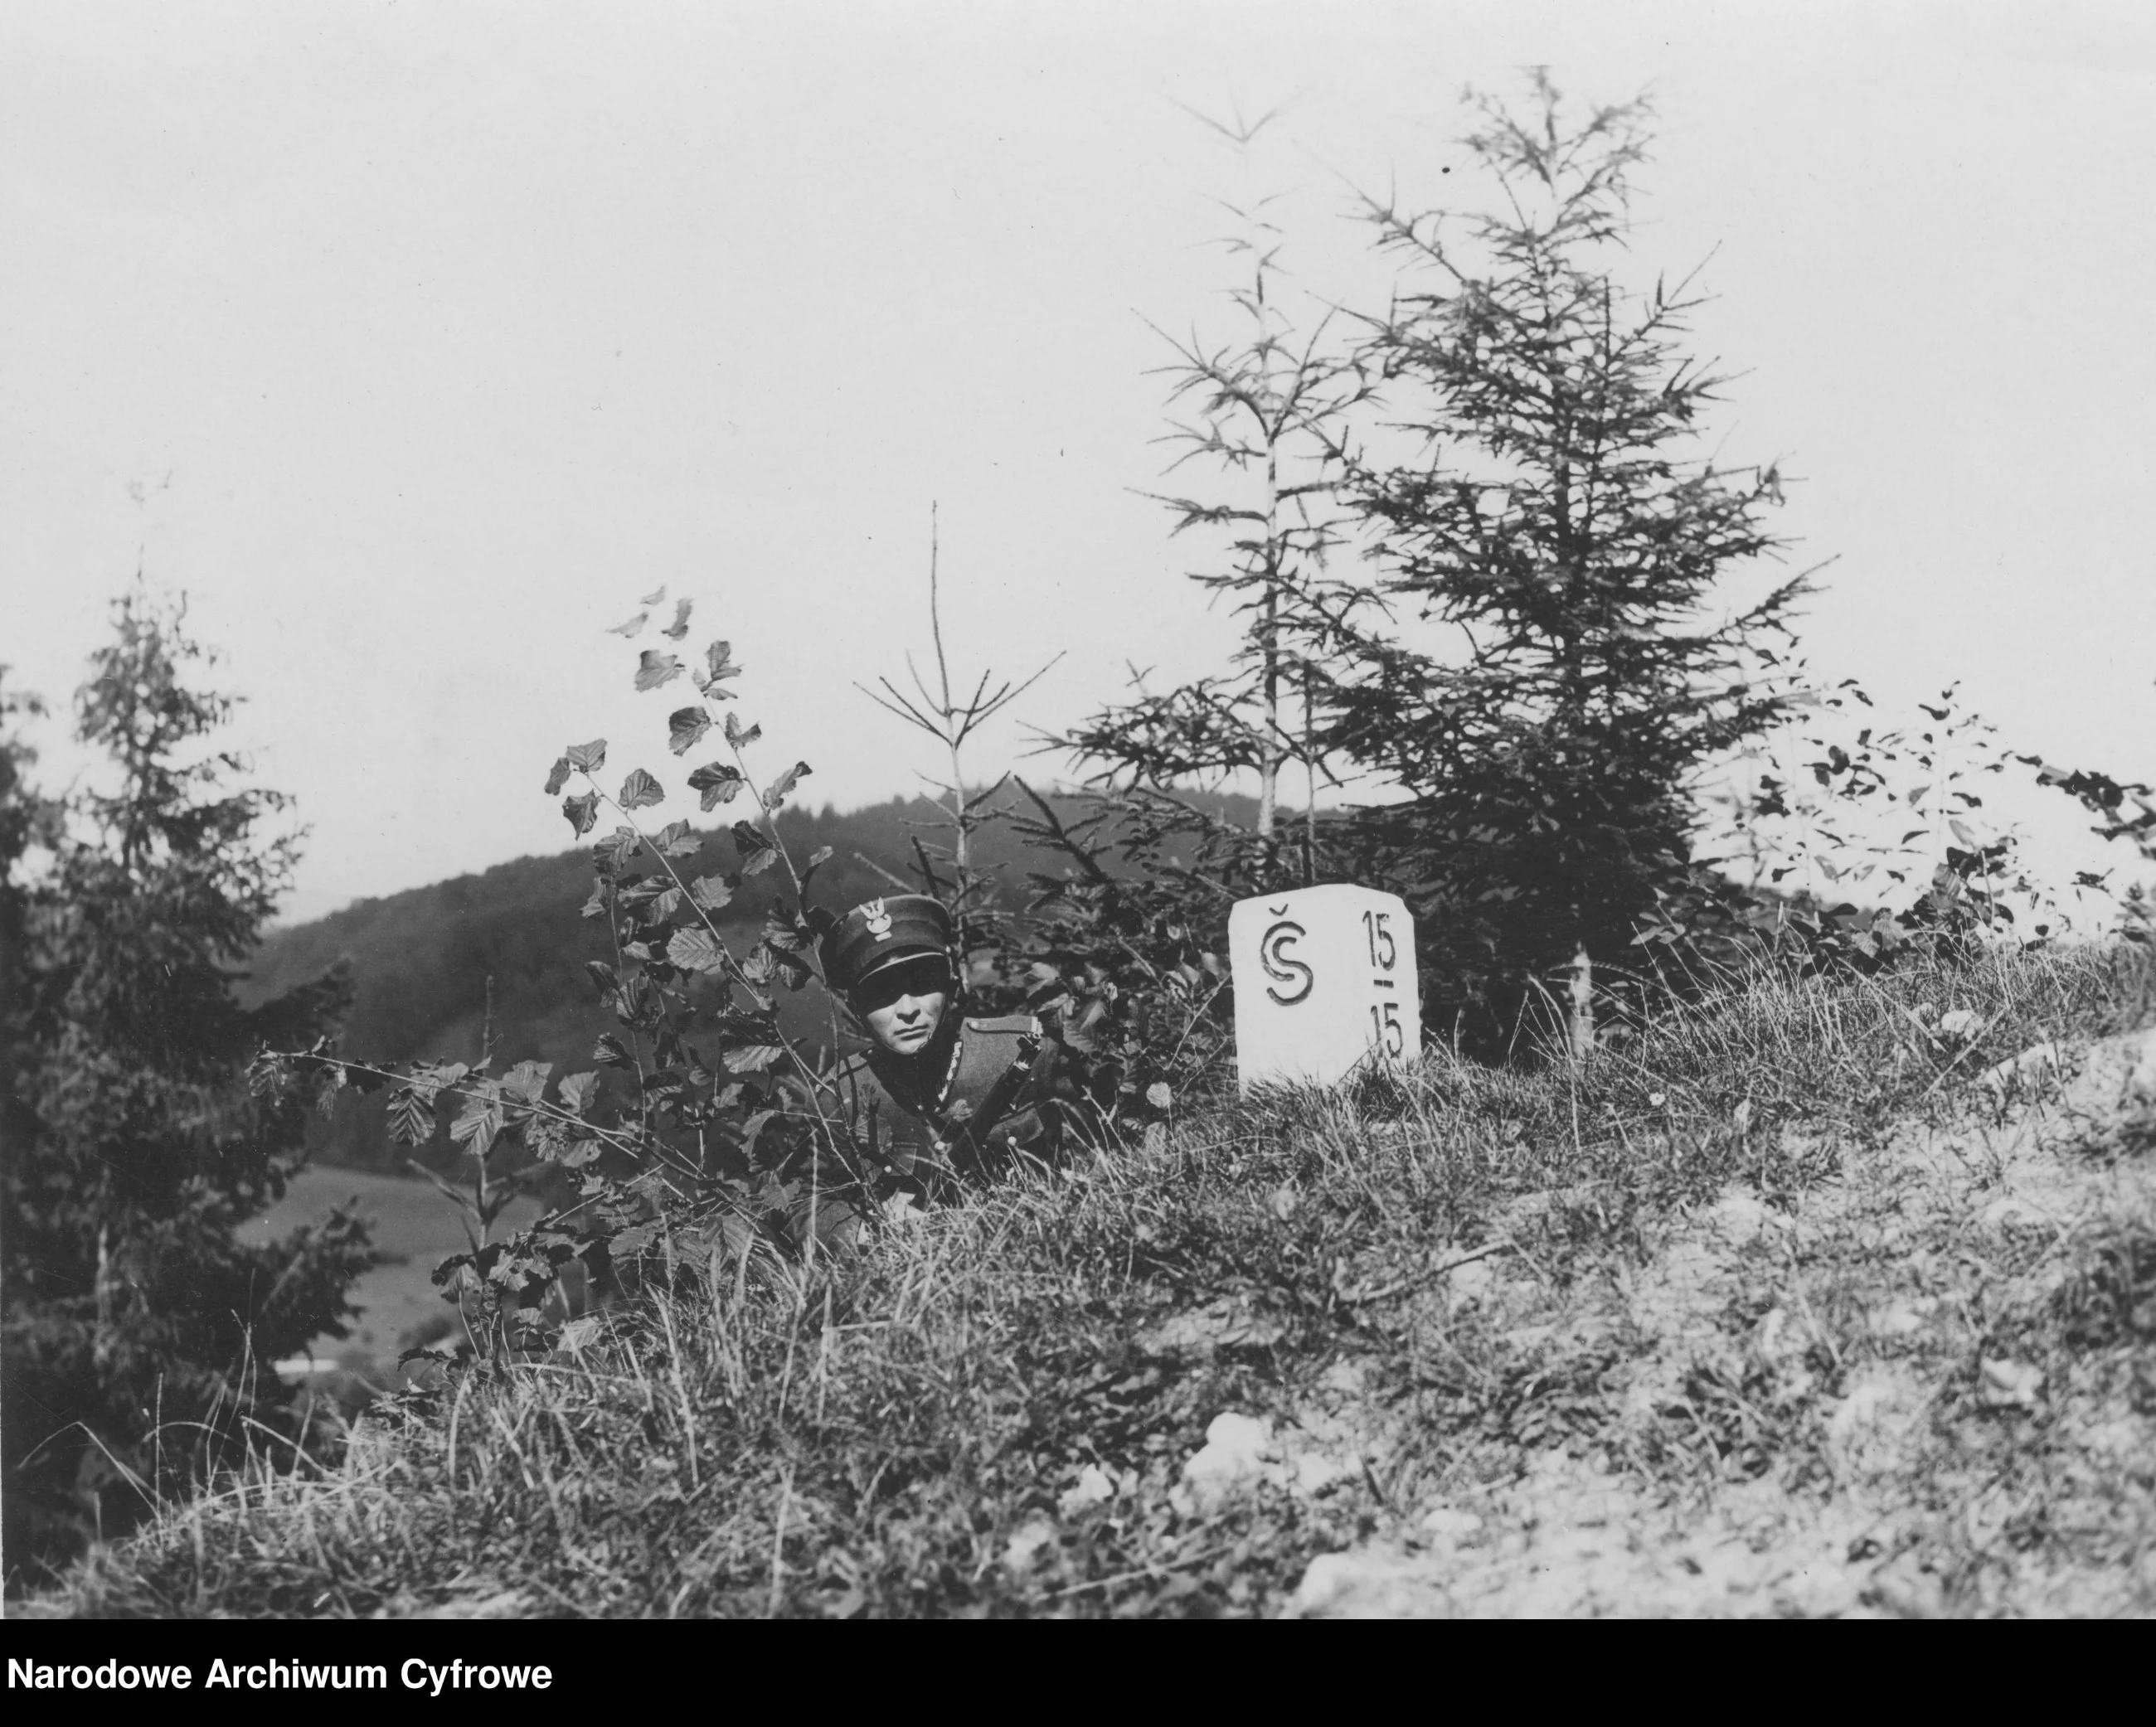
1941,1361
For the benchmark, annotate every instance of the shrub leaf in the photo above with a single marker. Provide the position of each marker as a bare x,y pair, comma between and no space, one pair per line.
577,1092
653,668
718,667
717,781
693,950
685,727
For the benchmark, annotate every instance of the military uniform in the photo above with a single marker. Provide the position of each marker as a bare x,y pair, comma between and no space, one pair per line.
984,1091
980,1094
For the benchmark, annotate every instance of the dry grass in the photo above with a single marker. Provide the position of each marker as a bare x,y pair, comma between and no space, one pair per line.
1479,1311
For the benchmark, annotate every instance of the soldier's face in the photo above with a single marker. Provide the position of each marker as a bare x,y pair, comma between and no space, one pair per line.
904,1005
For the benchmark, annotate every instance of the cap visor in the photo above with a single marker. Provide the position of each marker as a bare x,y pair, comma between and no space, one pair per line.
913,956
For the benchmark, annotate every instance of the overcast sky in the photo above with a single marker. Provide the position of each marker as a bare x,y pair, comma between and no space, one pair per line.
415,341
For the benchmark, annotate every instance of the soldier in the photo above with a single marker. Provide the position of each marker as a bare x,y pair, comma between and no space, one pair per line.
937,1095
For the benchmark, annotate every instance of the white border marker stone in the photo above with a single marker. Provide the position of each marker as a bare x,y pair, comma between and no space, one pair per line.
1325,981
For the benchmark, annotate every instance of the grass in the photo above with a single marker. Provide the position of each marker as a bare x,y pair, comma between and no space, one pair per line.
413,1230
1498,1325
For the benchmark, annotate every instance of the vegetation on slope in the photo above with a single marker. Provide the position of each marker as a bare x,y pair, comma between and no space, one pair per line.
1476,1329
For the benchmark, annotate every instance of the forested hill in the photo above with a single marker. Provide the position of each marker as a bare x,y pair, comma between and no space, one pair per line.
421,959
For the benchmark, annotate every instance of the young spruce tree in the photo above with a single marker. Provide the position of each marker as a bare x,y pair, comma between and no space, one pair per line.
1555,511
1135,946
139,1331
1269,410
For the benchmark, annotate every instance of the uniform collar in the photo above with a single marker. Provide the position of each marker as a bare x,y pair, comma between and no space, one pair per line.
925,1079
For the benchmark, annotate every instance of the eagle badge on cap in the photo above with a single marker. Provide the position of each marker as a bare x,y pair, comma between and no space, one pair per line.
876,918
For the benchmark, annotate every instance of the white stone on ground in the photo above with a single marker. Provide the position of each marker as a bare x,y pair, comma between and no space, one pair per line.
1026,1541
1095,1487
1238,1452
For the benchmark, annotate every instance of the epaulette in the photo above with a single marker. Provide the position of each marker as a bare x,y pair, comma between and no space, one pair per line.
1016,1024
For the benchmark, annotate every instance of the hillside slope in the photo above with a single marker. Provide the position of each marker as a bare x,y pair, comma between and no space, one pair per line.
1820,1299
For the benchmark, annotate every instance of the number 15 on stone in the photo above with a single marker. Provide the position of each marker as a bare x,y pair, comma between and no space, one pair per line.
1325,981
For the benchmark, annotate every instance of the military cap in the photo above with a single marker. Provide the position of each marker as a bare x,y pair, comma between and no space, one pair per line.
882,932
